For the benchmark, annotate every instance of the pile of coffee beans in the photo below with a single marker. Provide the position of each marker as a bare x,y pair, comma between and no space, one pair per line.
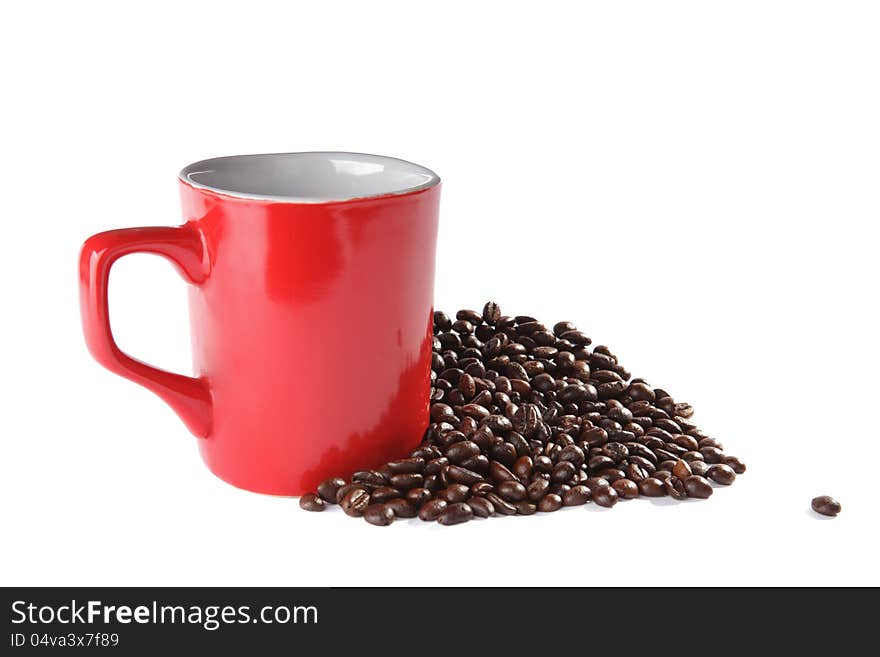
525,418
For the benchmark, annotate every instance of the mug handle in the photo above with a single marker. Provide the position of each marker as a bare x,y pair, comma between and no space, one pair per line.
182,245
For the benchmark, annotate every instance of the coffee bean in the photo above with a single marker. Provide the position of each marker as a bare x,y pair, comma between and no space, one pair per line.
311,502
432,509
481,507
826,505
401,508
418,496
327,489
525,508
355,501
455,514
378,514
605,496
461,475
538,489
702,468
576,495
675,488
454,493
681,469
407,481
512,491
550,502
502,506
698,487
626,489
721,473
384,493
738,466
652,487
407,466
563,471
498,472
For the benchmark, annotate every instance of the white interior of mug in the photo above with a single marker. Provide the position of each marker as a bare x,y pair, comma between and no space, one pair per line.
319,177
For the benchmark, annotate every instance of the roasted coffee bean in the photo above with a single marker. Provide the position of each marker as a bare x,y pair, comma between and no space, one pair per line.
652,487
401,508
576,495
563,471
522,468
311,502
481,507
455,514
734,463
418,496
454,493
384,493
538,489
499,472
461,475
379,514
626,489
355,501
432,509
512,491
407,481
502,506
721,473
328,488
675,488
549,503
407,466
605,496
698,487
681,469
826,505
712,454
525,508
371,477
701,468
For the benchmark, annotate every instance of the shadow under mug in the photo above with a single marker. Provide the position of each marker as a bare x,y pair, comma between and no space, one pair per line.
310,292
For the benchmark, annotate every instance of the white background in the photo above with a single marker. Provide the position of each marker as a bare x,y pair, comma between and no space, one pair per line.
693,183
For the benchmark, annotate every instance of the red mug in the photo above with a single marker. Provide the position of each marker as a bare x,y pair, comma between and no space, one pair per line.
310,290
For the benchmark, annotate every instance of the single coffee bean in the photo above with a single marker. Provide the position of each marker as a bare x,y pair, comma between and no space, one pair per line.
454,493
605,496
379,514
576,495
355,501
407,481
499,472
522,468
626,489
721,473
826,505
501,505
432,509
701,468
698,487
401,508
538,489
512,491
596,482
738,466
481,507
563,471
343,491
525,508
455,514
406,466
384,493
418,496
311,502
675,488
327,489
652,487
549,503
681,469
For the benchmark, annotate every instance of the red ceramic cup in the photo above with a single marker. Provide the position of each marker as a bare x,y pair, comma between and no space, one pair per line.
310,287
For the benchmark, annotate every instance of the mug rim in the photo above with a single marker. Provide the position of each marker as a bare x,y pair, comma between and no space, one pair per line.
421,177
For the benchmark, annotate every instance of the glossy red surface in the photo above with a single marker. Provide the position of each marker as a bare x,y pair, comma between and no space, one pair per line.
311,330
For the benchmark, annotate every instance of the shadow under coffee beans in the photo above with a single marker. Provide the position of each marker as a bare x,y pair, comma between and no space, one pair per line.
528,418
